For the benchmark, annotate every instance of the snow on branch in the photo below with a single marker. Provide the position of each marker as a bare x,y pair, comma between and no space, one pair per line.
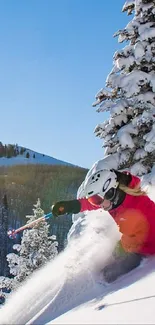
124,136
106,106
139,169
139,50
102,95
147,34
140,154
125,52
150,140
115,108
131,83
129,6
122,63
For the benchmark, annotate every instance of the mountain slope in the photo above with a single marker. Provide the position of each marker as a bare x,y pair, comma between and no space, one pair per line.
31,157
130,300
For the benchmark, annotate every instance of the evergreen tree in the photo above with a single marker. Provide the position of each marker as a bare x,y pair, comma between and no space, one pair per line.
16,151
5,202
35,250
27,155
10,150
129,133
6,286
1,149
22,150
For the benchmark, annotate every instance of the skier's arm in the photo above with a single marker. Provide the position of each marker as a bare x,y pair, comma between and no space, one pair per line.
66,207
72,206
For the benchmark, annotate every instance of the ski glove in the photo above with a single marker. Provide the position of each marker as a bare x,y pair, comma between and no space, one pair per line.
66,207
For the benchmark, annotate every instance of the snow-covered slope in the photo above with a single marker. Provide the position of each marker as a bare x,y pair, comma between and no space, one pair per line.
34,158
71,290
130,300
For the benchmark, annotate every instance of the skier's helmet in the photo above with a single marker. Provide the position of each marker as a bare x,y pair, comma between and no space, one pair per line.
101,185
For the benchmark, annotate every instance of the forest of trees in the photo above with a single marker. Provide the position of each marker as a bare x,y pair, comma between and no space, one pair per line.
24,184
10,150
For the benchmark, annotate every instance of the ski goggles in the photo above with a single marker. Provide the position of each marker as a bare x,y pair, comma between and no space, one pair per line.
98,199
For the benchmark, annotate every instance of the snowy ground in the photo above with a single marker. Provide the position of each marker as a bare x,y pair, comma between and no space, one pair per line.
130,300
71,290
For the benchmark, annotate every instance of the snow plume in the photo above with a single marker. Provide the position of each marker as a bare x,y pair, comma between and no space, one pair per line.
62,282
94,241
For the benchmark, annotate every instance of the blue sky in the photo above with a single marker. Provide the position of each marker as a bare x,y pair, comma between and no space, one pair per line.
54,57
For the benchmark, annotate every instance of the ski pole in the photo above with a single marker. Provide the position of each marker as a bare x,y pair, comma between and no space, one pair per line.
12,232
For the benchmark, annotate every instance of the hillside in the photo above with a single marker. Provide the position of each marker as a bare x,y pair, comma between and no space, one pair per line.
16,155
24,184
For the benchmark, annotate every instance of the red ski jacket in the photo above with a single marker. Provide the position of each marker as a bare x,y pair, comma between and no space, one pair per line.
135,218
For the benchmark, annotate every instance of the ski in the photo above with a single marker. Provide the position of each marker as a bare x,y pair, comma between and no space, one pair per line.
13,232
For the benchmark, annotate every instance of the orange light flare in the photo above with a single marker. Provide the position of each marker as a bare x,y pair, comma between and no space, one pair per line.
134,228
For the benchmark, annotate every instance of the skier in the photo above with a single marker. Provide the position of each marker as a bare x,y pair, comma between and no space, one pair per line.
121,195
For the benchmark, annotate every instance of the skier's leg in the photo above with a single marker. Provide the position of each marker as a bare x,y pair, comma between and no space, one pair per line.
124,263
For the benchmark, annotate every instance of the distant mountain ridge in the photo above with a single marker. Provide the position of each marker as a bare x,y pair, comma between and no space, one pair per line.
17,155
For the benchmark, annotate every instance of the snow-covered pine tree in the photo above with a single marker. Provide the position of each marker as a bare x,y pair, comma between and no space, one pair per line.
6,286
36,248
129,96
